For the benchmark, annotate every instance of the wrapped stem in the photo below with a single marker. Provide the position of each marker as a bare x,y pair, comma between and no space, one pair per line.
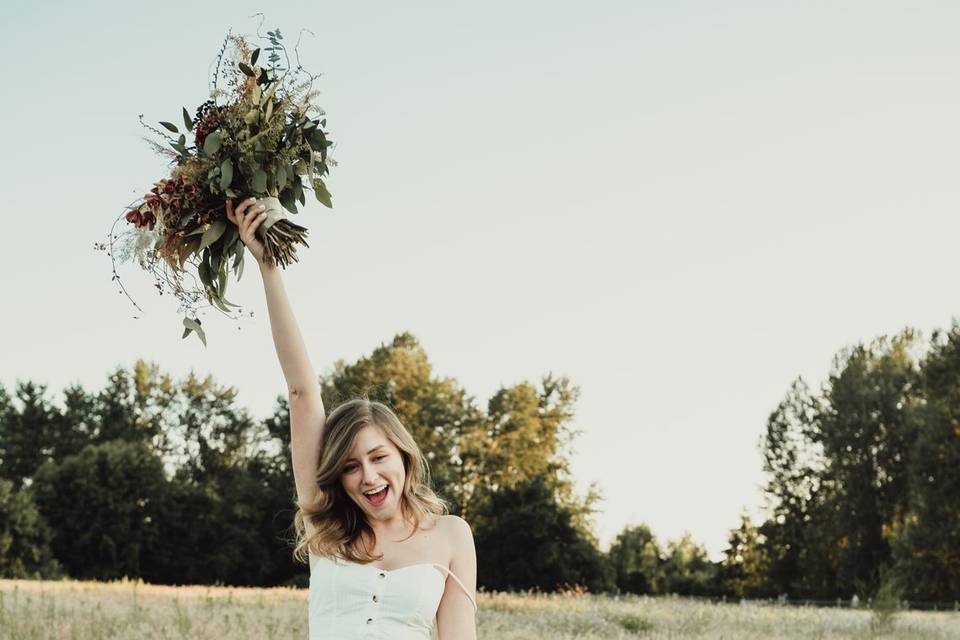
280,235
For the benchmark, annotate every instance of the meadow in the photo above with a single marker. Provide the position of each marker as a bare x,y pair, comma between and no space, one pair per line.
34,610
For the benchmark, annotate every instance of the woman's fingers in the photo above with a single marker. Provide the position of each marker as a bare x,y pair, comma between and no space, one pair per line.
255,221
242,215
242,209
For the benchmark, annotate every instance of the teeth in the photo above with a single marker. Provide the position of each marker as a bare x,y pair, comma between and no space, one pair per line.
372,491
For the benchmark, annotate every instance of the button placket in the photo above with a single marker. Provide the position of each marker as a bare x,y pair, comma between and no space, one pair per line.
376,593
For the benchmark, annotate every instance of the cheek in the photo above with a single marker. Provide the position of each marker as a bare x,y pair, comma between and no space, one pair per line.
346,483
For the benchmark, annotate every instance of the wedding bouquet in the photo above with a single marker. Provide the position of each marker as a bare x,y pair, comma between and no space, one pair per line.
259,136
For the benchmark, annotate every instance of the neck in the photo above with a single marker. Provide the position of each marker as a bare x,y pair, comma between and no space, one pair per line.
396,524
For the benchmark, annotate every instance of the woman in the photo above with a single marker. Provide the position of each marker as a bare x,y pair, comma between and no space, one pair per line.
385,560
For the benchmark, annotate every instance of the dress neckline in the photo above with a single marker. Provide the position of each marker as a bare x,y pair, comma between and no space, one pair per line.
376,568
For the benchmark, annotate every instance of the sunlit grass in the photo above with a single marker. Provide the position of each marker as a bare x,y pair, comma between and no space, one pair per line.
88,610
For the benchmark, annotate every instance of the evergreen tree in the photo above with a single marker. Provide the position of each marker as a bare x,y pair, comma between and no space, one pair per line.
24,537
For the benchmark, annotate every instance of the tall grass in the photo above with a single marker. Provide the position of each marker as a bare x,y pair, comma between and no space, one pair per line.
100,611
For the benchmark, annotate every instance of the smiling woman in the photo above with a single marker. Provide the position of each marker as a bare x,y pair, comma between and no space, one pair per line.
386,561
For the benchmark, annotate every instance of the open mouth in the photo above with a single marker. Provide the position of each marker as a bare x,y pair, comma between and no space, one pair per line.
377,499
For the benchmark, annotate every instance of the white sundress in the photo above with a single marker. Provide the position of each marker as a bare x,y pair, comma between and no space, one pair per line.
350,601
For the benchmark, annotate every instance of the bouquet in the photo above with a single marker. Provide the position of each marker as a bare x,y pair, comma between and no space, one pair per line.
259,136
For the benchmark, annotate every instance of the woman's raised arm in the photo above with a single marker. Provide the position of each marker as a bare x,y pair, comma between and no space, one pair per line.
306,407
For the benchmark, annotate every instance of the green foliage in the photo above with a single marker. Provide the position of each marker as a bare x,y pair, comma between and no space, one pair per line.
744,570
886,603
106,503
553,554
687,569
30,432
635,558
24,537
171,481
928,545
793,462
863,478
866,434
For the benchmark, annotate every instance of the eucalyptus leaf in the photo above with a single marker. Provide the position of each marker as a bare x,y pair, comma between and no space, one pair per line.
213,234
259,182
214,259
238,265
323,196
318,140
217,301
226,173
203,271
211,144
170,127
288,200
186,120
231,235
222,282
247,71
193,324
254,56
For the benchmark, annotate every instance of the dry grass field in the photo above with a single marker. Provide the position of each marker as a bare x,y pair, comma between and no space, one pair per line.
128,610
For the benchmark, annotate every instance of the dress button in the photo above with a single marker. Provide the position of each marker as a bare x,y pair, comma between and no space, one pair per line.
376,599
369,620
383,575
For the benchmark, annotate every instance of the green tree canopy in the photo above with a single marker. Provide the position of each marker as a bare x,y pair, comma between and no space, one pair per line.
636,560
24,537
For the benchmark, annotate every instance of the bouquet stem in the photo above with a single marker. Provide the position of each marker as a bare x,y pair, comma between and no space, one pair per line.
280,242
280,235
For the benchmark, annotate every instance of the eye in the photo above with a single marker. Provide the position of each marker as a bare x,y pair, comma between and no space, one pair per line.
380,457
350,469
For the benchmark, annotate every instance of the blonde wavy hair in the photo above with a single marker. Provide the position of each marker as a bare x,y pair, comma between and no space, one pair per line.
339,524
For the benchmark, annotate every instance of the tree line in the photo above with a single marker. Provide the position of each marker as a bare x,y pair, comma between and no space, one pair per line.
172,481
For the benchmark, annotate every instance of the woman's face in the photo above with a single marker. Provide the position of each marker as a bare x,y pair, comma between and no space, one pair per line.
374,465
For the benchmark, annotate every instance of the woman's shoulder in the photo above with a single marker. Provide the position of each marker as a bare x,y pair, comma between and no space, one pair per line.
455,529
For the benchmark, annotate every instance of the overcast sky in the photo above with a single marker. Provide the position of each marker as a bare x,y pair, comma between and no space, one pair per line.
682,206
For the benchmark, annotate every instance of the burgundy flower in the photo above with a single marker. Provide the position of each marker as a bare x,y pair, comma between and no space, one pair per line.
134,217
169,187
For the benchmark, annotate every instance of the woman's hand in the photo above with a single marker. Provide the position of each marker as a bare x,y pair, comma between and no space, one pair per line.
248,219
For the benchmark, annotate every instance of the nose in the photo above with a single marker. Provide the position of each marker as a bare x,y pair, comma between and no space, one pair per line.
370,477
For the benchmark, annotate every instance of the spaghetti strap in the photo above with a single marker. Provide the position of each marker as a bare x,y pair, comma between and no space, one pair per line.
454,576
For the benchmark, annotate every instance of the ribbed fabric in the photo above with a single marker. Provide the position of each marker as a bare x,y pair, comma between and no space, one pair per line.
350,601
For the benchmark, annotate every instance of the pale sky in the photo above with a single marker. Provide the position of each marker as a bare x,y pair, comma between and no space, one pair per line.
680,205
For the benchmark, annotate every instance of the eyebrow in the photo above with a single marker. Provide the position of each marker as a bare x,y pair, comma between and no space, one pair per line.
379,446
